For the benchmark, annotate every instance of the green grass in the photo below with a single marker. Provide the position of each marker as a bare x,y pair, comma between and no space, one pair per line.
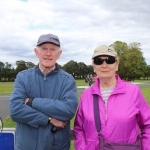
141,81
146,90
9,123
81,83
6,88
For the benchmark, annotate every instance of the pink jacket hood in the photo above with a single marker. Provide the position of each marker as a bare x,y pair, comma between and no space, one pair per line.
126,114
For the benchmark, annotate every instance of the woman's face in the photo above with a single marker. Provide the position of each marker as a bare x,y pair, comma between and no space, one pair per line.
105,69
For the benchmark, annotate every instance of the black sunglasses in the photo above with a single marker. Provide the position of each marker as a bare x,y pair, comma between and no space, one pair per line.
108,60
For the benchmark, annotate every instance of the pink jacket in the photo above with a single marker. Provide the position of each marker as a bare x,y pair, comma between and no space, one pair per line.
126,114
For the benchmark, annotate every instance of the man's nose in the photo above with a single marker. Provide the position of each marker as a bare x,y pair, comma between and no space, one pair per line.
48,52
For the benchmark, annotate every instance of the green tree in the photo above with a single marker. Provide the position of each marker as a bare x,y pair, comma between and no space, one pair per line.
90,70
79,70
71,67
120,47
21,65
132,63
7,71
147,72
13,74
30,64
83,69
1,70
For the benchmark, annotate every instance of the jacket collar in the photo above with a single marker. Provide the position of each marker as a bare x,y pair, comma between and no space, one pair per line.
120,86
56,69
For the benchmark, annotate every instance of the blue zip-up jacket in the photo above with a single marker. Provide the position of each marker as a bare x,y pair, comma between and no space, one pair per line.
54,95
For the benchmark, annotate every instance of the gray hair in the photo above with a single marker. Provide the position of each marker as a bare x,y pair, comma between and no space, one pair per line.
38,47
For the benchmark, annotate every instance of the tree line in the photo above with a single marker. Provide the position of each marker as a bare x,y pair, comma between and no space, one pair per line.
132,65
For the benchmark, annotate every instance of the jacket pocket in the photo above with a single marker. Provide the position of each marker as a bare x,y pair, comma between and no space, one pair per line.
57,138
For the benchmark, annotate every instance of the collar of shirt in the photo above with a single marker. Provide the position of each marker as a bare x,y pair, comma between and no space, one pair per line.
44,72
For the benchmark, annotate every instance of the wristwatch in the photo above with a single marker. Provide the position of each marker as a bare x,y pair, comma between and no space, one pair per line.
49,120
30,101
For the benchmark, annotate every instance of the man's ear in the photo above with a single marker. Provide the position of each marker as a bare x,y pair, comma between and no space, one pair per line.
36,52
59,53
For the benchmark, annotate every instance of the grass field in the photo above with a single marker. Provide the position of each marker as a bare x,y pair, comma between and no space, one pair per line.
6,88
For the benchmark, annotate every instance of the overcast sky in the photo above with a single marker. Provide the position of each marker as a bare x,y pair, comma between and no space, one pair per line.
81,25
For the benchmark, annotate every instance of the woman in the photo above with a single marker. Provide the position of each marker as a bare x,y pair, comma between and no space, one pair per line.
123,110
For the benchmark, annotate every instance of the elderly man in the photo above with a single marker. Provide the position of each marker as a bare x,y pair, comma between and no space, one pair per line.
43,101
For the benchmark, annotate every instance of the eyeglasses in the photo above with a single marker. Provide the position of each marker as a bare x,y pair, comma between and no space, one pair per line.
1,126
108,60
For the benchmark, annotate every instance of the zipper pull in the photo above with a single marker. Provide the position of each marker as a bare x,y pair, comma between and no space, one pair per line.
44,77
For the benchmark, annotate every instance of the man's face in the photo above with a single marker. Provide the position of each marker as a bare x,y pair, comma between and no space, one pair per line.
48,54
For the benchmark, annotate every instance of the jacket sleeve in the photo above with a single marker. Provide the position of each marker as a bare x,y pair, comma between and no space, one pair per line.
62,109
79,142
22,113
144,121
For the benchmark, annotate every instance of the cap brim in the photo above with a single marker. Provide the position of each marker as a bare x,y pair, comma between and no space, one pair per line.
103,54
39,44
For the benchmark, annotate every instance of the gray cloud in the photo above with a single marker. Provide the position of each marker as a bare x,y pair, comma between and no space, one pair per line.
80,25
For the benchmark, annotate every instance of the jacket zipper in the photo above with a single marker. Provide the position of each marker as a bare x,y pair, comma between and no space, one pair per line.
44,94
106,114
44,77
106,111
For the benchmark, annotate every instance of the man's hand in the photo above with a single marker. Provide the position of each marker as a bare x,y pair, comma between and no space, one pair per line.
26,100
57,123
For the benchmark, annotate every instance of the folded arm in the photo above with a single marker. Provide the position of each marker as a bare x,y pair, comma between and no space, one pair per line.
62,109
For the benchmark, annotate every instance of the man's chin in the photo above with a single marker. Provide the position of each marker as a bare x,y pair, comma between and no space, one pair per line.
49,65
